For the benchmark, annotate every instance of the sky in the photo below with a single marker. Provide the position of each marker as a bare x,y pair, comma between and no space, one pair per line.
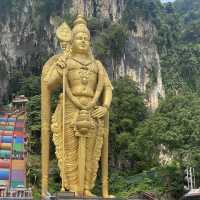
164,1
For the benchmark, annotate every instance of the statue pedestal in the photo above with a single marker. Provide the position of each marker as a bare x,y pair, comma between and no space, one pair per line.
71,196
65,195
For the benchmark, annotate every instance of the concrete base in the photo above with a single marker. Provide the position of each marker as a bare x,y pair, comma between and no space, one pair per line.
71,196
65,195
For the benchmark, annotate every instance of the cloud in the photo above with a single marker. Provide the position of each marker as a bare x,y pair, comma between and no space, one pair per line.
165,1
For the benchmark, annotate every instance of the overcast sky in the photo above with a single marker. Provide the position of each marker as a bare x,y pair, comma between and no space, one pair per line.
164,1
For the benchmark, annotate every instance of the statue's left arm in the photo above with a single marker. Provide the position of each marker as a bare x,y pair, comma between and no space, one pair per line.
105,104
106,96
107,91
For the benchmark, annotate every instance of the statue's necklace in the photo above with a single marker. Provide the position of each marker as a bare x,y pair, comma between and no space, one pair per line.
98,91
84,75
84,71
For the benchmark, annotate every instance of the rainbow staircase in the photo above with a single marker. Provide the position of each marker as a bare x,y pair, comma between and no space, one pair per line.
13,157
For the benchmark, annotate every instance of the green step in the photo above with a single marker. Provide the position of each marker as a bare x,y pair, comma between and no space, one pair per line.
14,184
18,147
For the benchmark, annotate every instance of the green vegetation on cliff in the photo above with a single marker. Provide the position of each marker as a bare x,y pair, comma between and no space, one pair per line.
181,62
148,151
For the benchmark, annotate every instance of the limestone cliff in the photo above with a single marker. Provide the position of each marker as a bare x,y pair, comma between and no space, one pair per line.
141,62
23,46
27,38
112,9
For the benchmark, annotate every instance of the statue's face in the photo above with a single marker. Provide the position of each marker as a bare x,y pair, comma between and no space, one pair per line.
81,42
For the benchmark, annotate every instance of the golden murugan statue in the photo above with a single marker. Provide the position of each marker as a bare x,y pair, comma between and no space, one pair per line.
80,122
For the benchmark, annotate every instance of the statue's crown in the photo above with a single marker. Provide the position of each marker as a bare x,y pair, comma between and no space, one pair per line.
64,33
80,20
80,25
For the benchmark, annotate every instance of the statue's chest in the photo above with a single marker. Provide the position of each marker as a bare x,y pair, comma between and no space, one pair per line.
83,74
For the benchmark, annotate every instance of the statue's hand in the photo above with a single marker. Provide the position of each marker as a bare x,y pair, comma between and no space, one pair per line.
61,62
54,127
99,112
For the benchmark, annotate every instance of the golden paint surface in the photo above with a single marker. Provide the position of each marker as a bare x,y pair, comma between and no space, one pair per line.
80,121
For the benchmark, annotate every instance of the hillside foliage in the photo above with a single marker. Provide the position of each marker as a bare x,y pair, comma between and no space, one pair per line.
148,151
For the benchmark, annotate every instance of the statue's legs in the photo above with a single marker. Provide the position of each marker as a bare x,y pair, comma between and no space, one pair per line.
71,148
93,149
71,144
93,154
71,157
90,144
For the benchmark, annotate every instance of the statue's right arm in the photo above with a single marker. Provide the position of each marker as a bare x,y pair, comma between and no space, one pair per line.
53,73
51,77
54,78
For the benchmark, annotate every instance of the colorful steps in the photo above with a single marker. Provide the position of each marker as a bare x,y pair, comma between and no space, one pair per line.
5,163
12,152
6,146
4,174
5,154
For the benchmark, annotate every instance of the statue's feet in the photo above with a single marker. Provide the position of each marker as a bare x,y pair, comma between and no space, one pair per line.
108,196
76,194
87,193
74,190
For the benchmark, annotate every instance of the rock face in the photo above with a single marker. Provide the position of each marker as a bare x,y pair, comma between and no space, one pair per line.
23,46
3,89
141,62
26,39
112,9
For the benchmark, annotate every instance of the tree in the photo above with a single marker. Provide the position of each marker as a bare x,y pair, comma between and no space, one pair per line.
147,9
30,86
174,129
34,123
180,69
127,110
16,81
111,42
